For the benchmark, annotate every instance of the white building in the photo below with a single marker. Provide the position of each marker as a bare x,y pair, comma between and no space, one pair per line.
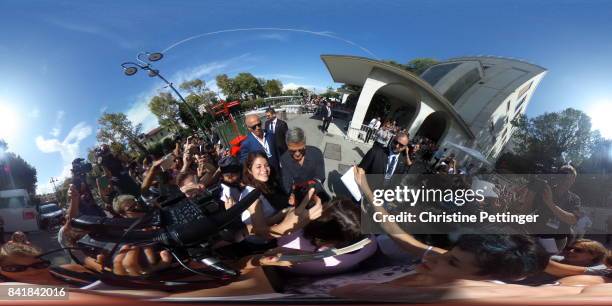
469,101
155,135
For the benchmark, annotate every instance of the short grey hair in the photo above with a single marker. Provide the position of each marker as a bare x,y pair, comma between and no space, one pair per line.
295,135
119,202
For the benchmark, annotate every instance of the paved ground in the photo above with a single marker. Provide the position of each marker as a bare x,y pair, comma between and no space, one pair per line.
339,153
47,241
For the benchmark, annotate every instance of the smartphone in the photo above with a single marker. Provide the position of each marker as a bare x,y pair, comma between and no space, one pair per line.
168,162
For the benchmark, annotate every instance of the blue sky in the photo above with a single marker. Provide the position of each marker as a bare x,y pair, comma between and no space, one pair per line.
59,60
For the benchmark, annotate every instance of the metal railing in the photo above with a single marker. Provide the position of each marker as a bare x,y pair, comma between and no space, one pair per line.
361,134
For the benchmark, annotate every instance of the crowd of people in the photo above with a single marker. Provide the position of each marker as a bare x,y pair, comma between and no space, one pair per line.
294,215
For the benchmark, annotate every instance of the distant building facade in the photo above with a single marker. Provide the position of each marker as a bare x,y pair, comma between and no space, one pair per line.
469,101
155,135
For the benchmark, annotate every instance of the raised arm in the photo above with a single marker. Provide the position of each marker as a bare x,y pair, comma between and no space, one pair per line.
403,239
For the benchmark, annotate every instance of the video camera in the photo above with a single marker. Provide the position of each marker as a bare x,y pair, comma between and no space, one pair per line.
80,168
186,227
300,190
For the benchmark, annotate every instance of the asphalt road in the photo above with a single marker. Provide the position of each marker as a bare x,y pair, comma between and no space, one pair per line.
47,241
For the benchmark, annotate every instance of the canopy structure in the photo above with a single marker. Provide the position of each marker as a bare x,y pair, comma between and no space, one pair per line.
471,152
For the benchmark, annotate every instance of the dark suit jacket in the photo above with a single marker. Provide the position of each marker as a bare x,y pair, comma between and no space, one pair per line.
326,115
279,136
252,145
375,162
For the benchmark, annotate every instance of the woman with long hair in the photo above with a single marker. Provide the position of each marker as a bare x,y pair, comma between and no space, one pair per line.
263,218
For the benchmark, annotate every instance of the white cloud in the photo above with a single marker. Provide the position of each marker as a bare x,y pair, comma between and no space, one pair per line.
57,127
69,148
139,112
281,76
199,71
292,85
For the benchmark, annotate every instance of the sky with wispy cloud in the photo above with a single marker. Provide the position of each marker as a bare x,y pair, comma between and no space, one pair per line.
60,60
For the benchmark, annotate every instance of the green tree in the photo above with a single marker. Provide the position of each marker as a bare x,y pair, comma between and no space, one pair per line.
198,89
289,92
16,173
166,109
554,138
394,63
3,146
331,93
416,66
301,91
419,65
228,87
273,88
117,128
249,87
200,98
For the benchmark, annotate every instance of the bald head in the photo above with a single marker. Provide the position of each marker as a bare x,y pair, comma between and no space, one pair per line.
253,123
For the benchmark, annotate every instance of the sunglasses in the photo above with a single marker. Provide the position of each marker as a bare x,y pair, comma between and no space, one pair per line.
396,143
301,151
20,268
255,126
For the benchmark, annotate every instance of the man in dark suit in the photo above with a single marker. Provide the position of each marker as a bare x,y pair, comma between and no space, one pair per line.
387,161
278,128
258,140
327,116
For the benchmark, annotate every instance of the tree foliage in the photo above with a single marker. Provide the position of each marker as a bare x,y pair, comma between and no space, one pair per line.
117,128
273,88
331,93
419,65
554,138
416,66
166,108
15,172
245,86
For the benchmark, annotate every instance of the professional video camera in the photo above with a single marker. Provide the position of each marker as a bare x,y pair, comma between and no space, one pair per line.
185,227
300,190
80,169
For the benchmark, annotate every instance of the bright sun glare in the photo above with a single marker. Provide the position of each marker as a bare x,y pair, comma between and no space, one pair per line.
600,118
9,122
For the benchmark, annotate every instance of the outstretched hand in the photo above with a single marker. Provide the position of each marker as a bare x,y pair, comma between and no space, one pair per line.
135,261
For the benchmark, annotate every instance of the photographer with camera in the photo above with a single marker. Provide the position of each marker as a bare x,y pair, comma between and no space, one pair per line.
81,196
113,168
81,202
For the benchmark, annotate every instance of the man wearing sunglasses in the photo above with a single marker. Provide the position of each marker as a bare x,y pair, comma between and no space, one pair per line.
388,161
301,163
258,140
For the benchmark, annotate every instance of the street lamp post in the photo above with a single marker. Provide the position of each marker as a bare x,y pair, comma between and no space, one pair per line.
131,68
52,181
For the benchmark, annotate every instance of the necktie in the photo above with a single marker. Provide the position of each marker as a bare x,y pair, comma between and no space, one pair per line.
390,167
